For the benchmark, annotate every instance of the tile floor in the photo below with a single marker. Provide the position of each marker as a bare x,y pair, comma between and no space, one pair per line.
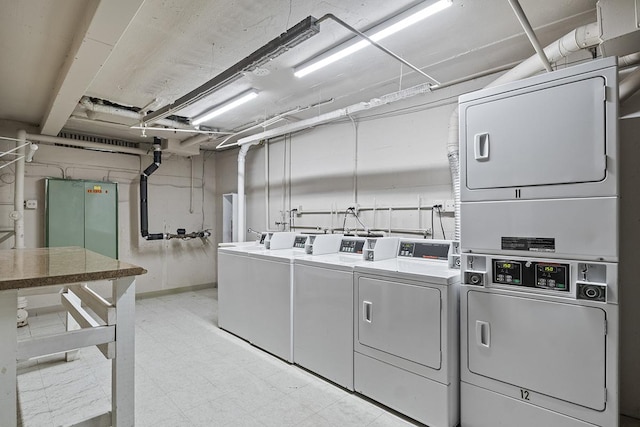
189,373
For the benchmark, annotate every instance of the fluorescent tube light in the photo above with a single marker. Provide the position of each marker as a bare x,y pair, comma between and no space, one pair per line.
386,32
226,106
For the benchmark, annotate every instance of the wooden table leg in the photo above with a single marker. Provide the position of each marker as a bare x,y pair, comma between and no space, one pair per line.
8,351
122,366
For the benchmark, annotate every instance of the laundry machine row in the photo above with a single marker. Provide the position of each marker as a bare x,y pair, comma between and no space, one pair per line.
255,288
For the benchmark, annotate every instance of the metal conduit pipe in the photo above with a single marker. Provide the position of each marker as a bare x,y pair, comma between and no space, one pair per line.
526,26
91,106
581,38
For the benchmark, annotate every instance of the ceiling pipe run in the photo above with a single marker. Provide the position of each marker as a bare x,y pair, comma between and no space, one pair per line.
92,108
86,144
581,38
526,26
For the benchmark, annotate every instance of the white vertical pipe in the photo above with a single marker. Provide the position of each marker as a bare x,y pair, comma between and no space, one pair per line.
18,225
266,186
242,227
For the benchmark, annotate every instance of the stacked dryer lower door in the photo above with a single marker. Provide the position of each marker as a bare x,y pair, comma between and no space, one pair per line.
534,354
406,340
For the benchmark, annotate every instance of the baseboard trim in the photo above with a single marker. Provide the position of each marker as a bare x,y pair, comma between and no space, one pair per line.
173,291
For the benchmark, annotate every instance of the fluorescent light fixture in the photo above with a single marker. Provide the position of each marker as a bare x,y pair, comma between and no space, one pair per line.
384,33
243,98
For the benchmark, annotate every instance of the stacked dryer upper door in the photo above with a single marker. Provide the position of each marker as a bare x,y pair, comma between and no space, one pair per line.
537,165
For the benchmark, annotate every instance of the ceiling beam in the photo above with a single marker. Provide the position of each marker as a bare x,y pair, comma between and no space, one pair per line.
103,24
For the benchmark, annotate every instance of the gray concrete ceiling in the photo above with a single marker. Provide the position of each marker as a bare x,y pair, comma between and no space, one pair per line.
133,52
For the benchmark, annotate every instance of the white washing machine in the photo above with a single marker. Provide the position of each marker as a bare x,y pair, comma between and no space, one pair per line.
536,335
269,298
323,309
406,332
235,285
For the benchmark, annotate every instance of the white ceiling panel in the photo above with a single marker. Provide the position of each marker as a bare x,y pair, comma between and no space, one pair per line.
173,46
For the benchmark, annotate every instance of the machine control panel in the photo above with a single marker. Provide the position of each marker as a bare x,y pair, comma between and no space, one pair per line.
426,250
532,274
300,241
351,246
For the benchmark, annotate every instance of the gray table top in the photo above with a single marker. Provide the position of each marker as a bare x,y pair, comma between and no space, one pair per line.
28,268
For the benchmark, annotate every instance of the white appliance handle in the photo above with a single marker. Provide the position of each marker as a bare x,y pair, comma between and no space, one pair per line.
481,146
366,311
483,334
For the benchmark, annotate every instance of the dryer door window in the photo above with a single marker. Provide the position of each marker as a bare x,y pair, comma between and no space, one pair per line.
400,319
546,347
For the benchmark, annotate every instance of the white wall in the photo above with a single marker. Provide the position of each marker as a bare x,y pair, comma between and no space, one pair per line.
170,264
392,156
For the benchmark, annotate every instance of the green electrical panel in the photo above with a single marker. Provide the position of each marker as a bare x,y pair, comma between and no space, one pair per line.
82,213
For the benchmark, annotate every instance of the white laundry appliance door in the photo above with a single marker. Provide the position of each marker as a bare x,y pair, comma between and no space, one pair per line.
541,346
234,313
400,319
271,306
500,133
323,322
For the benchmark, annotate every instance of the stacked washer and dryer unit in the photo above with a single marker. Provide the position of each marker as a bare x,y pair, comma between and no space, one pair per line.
539,237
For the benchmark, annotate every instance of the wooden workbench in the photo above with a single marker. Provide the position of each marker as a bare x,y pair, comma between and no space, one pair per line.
30,268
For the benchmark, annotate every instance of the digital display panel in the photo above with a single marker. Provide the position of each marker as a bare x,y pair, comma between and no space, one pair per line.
532,274
352,246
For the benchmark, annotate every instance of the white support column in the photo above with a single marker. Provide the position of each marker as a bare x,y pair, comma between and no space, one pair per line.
18,197
8,351
122,366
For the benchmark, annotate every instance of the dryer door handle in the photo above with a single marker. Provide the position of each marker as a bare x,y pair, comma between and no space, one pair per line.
483,334
481,146
366,311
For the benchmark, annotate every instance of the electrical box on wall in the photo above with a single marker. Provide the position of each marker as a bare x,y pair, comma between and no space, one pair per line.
82,213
